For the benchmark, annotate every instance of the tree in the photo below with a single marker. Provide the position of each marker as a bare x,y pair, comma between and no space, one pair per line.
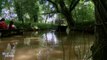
65,7
84,12
27,7
99,48
1,5
19,11
31,7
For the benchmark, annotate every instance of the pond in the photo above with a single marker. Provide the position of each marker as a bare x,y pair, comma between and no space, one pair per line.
47,45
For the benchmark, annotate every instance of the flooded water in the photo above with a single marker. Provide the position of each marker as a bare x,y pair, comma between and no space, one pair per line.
46,46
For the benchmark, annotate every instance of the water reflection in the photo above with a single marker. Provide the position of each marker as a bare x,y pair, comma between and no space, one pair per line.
48,42
47,46
27,41
49,38
9,52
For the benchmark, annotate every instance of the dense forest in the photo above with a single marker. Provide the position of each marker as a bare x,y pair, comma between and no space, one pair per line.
43,12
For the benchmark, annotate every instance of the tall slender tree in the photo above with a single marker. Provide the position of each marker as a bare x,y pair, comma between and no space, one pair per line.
19,11
1,5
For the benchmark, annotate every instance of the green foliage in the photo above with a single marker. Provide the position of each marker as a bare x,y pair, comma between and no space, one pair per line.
84,12
28,25
27,7
7,22
83,25
45,26
18,24
19,10
1,5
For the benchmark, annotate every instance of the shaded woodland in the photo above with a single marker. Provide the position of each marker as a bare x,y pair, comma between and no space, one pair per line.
77,15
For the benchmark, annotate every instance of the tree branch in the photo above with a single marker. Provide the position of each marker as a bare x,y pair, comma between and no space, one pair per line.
54,4
63,7
62,4
73,4
53,12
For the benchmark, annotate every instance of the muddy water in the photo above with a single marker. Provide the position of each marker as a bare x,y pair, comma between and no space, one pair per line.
46,46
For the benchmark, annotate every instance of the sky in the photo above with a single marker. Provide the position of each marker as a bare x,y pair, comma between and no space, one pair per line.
8,13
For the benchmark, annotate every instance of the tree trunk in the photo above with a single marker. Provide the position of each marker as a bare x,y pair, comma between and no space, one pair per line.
19,11
99,47
35,17
69,19
67,14
66,10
